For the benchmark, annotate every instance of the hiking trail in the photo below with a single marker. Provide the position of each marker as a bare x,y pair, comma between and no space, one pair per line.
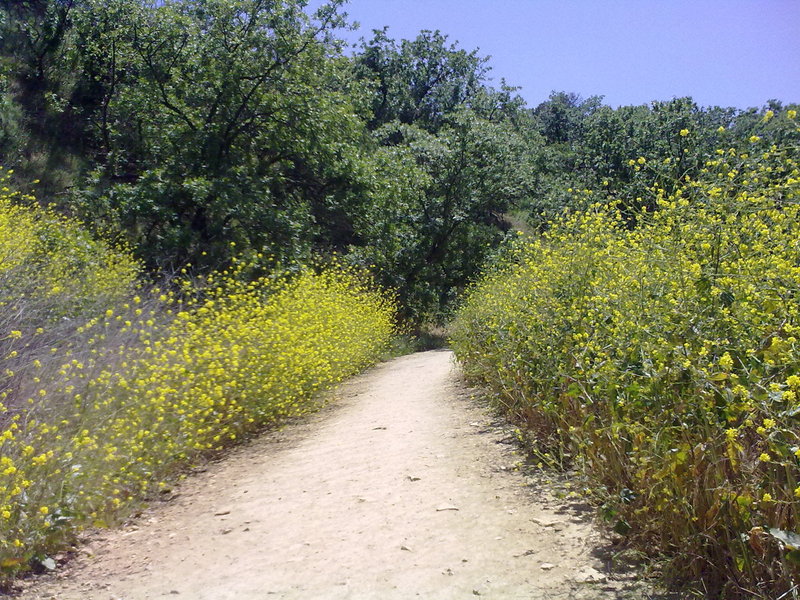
401,486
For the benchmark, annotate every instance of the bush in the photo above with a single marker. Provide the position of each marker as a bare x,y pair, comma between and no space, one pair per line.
663,361
52,274
52,262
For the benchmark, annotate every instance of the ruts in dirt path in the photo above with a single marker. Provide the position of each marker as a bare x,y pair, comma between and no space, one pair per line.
399,488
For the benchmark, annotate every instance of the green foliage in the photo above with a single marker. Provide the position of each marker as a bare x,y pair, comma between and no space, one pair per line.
663,361
649,337
592,146
219,122
462,162
46,130
182,126
419,81
430,238
11,128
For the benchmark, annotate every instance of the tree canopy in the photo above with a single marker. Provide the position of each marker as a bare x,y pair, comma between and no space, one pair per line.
196,130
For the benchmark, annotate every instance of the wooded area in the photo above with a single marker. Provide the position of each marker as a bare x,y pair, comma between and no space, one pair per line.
198,130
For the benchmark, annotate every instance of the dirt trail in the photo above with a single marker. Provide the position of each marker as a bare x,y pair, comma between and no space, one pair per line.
400,488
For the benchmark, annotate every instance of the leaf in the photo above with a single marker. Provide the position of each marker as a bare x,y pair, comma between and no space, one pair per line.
790,539
771,305
608,512
703,285
792,412
726,298
622,527
740,563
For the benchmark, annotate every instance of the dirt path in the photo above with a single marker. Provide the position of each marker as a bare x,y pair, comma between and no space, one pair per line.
400,489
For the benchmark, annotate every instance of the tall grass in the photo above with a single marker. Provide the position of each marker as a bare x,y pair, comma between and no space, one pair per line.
663,361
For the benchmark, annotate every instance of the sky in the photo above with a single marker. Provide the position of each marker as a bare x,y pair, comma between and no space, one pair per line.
737,53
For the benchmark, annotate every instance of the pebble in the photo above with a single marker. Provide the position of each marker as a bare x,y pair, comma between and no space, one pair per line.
590,575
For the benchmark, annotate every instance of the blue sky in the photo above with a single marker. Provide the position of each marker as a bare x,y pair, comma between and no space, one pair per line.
730,53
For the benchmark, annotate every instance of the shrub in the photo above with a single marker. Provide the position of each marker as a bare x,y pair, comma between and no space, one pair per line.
52,274
663,361
51,268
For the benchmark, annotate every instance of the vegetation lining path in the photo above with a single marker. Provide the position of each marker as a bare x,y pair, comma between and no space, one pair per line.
400,488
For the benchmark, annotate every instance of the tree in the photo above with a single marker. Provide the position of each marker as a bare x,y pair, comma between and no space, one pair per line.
32,35
460,152
419,81
622,153
43,137
560,119
217,122
457,186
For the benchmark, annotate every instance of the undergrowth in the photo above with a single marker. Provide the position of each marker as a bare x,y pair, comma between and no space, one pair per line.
108,387
663,360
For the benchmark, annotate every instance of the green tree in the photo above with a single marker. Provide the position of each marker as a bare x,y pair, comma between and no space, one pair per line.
32,36
43,137
458,150
560,119
418,81
219,122
456,186
621,153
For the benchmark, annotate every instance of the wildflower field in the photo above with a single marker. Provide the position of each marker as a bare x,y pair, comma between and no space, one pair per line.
109,387
658,354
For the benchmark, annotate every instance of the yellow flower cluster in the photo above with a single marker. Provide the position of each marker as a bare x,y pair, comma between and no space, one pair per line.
664,361
140,387
46,255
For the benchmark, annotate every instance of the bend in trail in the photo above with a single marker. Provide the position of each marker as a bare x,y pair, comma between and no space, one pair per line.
401,488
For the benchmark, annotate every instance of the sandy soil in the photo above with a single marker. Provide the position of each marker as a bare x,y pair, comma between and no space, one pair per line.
402,487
